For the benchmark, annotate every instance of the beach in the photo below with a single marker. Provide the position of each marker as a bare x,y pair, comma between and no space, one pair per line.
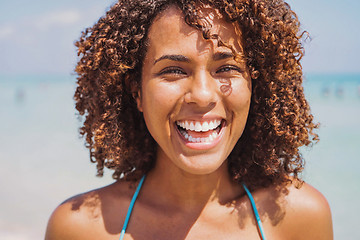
44,160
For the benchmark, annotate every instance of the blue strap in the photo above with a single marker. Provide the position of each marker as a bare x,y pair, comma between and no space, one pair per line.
131,208
257,217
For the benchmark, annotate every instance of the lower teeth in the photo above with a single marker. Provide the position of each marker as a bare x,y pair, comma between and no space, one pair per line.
210,138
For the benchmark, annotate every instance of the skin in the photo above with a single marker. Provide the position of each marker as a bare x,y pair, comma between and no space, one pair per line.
188,87
189,194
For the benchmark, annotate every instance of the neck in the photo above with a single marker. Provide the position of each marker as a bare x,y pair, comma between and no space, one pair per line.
171,185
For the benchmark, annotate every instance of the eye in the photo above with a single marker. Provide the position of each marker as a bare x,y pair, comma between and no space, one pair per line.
172,71
229,69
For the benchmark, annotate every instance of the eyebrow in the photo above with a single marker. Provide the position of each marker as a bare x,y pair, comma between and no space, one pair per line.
177,58
222,55
181,58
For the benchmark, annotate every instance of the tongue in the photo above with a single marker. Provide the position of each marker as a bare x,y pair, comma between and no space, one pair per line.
199,134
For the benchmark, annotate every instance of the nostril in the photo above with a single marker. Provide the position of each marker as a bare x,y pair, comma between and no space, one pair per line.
202,97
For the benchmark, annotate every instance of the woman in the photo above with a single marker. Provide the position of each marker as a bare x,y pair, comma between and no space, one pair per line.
198,108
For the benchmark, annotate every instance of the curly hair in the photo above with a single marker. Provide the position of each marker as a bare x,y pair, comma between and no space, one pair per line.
109,73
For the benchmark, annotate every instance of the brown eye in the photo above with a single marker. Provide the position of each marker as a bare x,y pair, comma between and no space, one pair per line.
172,71
229,68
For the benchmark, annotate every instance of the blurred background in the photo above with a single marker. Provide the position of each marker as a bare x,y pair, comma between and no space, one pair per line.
43,160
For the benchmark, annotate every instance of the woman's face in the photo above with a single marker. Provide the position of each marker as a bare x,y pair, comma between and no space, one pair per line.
194,96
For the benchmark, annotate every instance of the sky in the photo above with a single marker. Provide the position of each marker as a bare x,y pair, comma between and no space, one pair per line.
37,37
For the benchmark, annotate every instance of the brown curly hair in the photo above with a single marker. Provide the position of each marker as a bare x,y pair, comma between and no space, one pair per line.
109,73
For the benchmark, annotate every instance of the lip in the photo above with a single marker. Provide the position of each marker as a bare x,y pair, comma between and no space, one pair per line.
202,145
201,118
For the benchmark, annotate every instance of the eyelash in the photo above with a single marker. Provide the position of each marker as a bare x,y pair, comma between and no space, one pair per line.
179,71
228,69
172,70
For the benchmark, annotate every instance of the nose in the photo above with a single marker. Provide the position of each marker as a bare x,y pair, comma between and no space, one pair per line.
202,90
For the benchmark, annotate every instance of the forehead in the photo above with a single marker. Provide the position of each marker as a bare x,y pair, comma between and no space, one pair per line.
170,30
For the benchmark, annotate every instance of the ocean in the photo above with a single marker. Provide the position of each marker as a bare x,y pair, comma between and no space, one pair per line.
44,161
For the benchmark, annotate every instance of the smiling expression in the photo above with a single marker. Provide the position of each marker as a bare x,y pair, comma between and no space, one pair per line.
194,96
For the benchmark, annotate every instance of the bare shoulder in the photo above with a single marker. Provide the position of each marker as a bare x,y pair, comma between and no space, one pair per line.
88,214
73,217
307,213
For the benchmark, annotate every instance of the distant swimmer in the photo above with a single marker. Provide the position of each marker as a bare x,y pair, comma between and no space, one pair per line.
340,91
325,91
20,95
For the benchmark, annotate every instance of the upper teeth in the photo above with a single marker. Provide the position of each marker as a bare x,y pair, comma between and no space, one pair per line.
199,126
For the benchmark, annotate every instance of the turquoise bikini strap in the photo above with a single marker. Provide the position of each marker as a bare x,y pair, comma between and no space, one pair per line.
131,207
257,217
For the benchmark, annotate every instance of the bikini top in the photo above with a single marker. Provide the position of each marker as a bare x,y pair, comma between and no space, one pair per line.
257,217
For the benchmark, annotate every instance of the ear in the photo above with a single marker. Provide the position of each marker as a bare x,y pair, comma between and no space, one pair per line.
136,94
138,100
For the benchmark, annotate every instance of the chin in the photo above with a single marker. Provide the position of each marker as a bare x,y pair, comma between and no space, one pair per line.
200,165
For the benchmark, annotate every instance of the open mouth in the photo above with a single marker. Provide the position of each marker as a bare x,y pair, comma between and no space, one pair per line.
200,132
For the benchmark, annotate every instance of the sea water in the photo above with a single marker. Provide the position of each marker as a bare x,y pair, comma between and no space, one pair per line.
43,161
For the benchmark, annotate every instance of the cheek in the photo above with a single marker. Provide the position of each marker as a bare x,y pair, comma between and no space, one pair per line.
159,102
239,103
160,96
240,97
